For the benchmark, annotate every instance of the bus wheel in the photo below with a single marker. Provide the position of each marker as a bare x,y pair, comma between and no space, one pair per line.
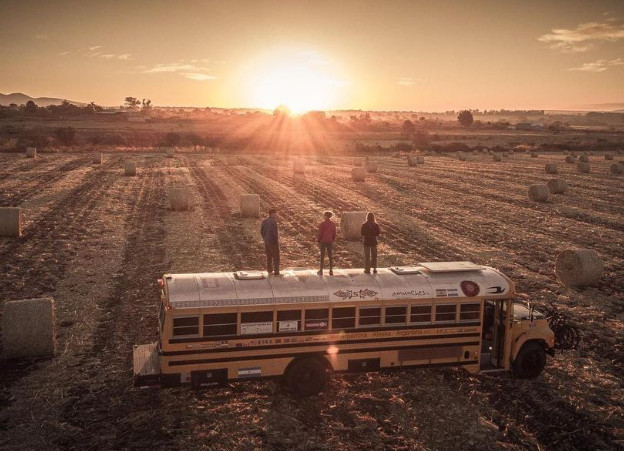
307,377
530,361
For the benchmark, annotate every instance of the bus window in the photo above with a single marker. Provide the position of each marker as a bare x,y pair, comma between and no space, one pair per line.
370,316
420,314
343,317
289,320
470,312
317,319
396,315
219,324
445,313
186,325
257,322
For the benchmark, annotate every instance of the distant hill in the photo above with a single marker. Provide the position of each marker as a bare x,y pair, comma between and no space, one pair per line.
20,99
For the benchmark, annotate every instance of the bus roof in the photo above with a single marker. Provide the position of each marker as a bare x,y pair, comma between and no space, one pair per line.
346,285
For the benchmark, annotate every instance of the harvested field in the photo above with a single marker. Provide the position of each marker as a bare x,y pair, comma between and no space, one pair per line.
97,241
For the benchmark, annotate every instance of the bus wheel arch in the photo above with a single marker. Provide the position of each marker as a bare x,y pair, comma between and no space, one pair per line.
530,360
308,375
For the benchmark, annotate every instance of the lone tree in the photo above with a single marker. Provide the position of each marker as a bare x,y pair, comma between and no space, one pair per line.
465,118
132,103
407,128
31,107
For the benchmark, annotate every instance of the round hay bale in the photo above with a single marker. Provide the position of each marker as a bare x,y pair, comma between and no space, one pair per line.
551,168
371,167
351,224
179,199
462,157
31,152
505,154
130,168
250,205
608,156
299,167
570,159
497,157
10,221
412,161
97,158
557,186
584,159
358,162
29,328
170,152
534,155
358,174
583,168
617,168
579,267
539,193
420,159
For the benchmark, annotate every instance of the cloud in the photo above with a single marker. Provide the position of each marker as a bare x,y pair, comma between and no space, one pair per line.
125,56
583,36
190,71
94,48
406,81
599,65
107,56
65,53
198,77
42,37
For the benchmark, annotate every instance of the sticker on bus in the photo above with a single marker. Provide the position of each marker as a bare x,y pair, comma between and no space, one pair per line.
250,372
288,326
316,324
265,327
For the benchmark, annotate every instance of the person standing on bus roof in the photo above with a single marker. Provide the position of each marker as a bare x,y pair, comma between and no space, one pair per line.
268,230
326,238
370,231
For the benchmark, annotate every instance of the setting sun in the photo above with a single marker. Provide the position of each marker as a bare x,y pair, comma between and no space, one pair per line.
298,81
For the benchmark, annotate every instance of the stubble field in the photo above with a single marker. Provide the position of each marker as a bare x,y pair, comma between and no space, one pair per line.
97,241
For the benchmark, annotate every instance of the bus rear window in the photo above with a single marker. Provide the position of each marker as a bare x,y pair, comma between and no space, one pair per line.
445,313
370,316
317,319
343,318
289,320
219,324
187,325
396,315
420,314
470,312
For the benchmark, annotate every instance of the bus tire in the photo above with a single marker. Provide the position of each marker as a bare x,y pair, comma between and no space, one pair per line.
307,377
530,361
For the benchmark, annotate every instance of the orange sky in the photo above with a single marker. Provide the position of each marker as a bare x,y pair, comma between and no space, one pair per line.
395,55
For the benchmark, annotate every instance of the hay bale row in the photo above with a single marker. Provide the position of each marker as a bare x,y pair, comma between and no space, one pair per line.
351,224
250,205
539,193
130,168
179,199
29,328
358,174
557,186
551,168
579,267
31,152
583,168
10,221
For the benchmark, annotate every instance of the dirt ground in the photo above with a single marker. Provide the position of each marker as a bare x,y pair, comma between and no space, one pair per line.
97,241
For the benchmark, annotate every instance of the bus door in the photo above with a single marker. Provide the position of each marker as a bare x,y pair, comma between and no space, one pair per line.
501,319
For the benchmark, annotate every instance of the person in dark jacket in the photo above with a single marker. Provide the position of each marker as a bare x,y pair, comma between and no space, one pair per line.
268,230
370,231
326,238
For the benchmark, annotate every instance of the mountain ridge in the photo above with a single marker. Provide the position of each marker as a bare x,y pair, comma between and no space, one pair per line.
20,99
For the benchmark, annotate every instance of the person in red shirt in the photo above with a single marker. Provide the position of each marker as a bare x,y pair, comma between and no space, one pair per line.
326,238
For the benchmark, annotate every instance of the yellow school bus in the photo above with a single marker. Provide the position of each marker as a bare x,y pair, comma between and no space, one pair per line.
221,327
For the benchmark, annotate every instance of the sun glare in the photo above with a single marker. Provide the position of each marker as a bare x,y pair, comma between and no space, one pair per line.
299,82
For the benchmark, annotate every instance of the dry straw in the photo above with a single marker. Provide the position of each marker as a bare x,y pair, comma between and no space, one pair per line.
570,159
170,152
371,167
31,152
579,267
497,157
539,193
10,221
608,156
534,155
617,168
551,168
29,328
358,174
299,166
97,158
250,205
584,159
583,167
557,186
351,224
179,199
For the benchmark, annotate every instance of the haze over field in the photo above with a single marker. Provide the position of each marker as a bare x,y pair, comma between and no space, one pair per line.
401,55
